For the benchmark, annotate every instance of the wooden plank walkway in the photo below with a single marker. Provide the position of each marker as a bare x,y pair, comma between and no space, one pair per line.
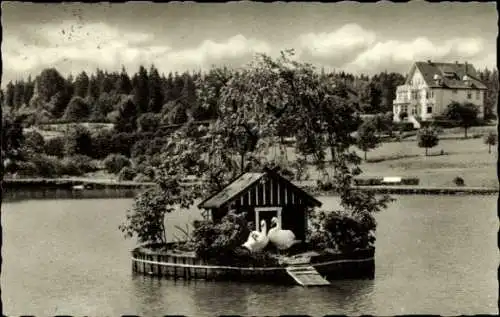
306,276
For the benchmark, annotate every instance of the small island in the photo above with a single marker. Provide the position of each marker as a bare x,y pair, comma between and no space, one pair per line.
260,198
257,225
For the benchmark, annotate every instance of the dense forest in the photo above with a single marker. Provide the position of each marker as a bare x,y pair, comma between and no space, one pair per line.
147,98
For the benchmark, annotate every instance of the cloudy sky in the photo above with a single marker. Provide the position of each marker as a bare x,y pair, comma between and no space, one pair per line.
189,36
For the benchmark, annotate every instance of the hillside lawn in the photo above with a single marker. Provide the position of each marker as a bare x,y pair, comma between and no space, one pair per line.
468,159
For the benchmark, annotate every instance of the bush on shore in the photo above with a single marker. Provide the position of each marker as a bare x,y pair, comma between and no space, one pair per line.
126,174
114,163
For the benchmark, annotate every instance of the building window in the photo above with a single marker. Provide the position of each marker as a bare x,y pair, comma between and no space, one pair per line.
454,91
469,94
429,109
478,94
432,93
405,109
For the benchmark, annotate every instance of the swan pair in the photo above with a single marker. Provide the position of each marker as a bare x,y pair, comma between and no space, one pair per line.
282,239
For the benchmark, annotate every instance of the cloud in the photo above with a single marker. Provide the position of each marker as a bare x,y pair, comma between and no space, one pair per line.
394,54
235,50
354,49
72,48
336,47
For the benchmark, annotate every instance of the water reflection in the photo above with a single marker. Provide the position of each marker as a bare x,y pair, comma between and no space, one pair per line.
434,256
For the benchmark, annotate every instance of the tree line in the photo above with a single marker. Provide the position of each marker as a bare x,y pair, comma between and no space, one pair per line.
147,98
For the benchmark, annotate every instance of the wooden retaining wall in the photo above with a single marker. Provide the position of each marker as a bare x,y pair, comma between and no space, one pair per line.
185,267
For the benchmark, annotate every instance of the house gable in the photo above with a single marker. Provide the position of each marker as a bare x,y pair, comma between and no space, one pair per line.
260,189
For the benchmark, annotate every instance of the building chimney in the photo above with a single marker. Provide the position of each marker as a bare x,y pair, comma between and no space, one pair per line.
456,62
429,61
466,67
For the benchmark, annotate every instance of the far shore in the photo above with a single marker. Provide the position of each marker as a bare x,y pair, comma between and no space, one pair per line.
83,184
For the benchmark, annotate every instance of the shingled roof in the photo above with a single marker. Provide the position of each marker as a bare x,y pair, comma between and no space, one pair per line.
430,69
247,181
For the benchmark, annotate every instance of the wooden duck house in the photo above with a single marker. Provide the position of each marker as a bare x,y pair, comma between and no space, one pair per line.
261,196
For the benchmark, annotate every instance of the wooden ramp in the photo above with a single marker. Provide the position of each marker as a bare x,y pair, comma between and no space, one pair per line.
306,276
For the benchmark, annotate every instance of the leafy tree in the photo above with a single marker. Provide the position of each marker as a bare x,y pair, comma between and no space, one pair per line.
383,123
491,140
126,174
127,114
52,88
55,146
254,101
114,163
34,142
78,141
367,138
490,79
465,113
175,113
12,137
427,138
122,142
77,111
146,220
148,122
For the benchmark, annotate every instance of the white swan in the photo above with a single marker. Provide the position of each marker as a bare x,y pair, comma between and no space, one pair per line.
257,241
282,239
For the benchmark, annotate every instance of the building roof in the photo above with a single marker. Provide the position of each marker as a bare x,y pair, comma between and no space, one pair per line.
244,183
429,69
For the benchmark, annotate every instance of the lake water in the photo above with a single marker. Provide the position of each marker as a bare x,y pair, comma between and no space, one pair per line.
435,255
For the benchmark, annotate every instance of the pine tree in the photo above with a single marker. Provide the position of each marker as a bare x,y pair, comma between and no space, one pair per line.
81,85
9,95
18,94
123,84
141,90
106,83
29,90
155,90
92,90
168,89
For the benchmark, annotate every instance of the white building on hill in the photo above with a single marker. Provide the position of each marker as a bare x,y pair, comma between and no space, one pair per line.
430,87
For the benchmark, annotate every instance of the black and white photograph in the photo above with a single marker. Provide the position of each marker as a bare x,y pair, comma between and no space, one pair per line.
249,158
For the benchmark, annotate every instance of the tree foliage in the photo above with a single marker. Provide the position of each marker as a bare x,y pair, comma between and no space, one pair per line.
251,104
427,138
367,138
78,141
114,163
12,137
146,220
77,111
465,113
491,140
